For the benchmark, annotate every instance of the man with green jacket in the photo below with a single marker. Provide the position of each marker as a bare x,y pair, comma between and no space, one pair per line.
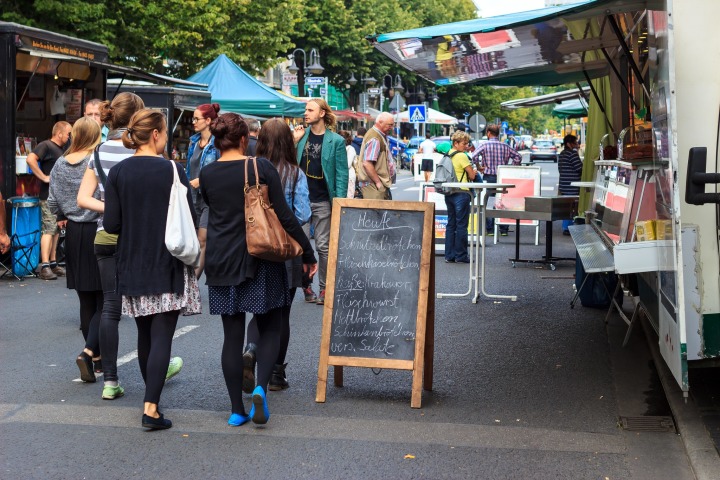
322,157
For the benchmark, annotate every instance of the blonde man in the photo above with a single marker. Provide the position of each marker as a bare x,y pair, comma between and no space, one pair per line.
322,157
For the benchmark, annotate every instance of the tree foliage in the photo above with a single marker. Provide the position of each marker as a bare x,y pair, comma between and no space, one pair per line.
260,34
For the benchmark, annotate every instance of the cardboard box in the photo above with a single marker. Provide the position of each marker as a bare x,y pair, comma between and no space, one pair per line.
663,229
645,230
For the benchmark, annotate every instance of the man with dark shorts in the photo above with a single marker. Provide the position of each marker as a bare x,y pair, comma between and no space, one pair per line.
427,148
41,162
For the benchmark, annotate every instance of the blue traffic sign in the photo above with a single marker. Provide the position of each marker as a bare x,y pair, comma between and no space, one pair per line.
417,113
504,124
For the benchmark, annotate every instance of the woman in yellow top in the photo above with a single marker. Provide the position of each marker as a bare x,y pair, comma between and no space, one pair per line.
458,204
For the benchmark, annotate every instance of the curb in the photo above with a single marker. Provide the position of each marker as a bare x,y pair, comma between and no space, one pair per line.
701,452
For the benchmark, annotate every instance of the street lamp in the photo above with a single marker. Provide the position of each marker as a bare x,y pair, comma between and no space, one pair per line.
397,89
390,89
419,93
368,81
315,68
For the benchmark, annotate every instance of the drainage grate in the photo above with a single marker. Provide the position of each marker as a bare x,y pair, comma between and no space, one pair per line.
648,424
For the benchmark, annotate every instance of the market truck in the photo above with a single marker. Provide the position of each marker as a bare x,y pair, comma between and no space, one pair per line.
654,72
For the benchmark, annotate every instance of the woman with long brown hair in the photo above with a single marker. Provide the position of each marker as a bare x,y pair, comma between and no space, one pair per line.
238,282
276,144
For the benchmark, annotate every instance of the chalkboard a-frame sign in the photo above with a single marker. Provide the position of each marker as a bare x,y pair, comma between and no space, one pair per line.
379,298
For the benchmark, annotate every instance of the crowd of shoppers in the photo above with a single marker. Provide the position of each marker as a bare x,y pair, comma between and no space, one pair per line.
112,198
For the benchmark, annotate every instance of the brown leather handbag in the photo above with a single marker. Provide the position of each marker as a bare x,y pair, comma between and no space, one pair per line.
265,235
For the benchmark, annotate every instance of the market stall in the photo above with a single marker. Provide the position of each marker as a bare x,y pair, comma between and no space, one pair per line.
652,84
176,103
46,78
237,91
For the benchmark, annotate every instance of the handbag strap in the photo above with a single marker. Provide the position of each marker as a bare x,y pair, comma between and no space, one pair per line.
176,178
292,197
98,166
257,177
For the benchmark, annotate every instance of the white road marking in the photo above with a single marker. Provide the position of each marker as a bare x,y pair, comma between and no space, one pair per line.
133,355
544,173
547,188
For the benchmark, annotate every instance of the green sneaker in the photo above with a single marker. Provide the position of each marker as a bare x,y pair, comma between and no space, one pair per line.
176,364
111,392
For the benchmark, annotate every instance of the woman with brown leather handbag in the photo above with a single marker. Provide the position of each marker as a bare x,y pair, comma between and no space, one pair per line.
237,281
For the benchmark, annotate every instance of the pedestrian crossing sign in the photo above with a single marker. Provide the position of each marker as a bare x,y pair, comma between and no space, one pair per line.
417,113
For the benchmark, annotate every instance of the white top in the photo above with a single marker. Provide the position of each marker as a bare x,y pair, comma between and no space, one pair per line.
351,170
427,147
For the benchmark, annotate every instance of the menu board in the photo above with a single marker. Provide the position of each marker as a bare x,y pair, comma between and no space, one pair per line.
378,295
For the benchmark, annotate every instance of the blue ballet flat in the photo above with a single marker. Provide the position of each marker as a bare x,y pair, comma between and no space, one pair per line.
259,412
236,419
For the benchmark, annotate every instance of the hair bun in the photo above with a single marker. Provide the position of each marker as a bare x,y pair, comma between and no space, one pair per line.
218,127
216,107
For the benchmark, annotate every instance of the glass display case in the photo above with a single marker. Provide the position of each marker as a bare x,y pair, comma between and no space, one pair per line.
635,144
629,210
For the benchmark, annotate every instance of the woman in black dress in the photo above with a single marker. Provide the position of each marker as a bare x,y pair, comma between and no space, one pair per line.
238,282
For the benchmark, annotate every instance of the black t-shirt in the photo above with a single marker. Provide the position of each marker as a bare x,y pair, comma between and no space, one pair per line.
48,152
311,165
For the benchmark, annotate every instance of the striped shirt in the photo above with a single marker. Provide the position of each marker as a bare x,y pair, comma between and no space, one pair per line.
372,152
495,153
111,153
570,168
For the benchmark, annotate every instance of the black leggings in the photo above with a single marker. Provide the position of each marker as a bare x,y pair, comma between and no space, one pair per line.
112,308
254,334
268,342
91,306
155,334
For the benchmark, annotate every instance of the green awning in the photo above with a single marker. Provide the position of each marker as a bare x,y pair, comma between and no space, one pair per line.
526,48
571,109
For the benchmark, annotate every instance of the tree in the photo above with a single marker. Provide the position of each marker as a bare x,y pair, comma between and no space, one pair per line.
147,33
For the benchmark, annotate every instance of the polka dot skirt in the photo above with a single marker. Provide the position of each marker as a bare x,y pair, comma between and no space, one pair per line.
267,291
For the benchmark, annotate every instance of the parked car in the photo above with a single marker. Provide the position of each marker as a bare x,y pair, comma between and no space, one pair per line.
543,150
398,152
524,142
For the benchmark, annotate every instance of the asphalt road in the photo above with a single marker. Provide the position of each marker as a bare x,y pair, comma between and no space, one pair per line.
526,389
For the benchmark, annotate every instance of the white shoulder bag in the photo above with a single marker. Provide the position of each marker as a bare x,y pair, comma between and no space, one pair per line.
180,237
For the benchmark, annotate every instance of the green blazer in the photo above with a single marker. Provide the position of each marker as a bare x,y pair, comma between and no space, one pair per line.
334,162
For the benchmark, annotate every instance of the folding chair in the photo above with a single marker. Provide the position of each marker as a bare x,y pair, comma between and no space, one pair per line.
25,237
24,250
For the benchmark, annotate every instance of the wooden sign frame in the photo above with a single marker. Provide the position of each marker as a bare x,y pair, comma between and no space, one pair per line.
422,363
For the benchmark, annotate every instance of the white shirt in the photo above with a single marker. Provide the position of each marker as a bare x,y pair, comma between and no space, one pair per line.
427,147
351,170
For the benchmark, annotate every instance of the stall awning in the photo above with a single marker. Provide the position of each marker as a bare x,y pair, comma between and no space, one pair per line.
433,117
351,114
539,100
576,108
129,71
526,48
